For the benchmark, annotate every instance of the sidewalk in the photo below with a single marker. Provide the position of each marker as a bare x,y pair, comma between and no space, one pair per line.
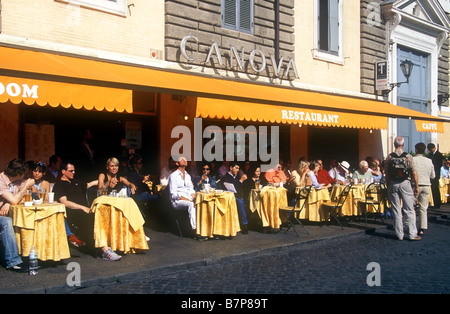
169,252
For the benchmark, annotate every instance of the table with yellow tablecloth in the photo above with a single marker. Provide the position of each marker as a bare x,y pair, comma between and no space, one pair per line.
267,202
217,214
42,226
118,224
444,189
313,210
350,207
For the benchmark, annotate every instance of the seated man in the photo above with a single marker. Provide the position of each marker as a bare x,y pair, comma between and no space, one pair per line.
181,191
363,173
323,176
205,178
12,190
72,193
340,173
135,176
232,177
276,175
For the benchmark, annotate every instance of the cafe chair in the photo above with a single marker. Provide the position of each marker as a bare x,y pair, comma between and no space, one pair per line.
91,195
293,212
385,201
335,208
170,213
372,193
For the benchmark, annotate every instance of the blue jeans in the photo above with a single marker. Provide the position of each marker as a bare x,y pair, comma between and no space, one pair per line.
11,253
241,210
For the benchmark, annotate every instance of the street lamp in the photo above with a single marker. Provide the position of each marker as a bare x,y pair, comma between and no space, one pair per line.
406,66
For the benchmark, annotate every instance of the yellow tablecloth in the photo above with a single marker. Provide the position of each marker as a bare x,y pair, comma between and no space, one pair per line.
350,207
444,189
267,202
216,214
313,210
42,226
119,224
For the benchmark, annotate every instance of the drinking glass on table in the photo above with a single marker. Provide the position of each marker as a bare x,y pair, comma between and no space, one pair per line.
27,196
41,194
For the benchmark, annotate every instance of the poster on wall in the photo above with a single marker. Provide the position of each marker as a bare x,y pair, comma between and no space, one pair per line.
39,142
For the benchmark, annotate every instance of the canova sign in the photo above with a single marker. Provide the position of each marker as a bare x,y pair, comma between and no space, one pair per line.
214,52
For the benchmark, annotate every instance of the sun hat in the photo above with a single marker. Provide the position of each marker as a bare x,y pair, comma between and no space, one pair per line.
345,165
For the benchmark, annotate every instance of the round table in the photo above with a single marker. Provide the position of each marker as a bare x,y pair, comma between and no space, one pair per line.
118,224
217,214
267,202
43,226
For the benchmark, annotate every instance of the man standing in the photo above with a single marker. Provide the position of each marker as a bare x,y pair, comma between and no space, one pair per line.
232,177
72,193
436,158
425,172
399,171
12,190
181,191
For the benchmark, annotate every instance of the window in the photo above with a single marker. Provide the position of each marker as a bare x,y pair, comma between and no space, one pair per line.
238,15
111,6
328,30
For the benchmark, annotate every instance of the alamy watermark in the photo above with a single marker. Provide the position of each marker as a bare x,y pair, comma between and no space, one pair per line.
251,143
374,17
374,278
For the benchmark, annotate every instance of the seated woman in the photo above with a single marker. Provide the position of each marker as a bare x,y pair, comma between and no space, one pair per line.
111,179
205,178
314,168
300,176
37,174
254,178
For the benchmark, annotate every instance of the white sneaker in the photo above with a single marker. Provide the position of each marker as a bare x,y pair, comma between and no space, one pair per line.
110,255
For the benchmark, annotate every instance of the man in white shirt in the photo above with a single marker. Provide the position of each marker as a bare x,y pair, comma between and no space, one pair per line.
181,191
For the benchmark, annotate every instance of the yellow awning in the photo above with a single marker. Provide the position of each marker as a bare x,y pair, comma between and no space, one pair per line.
244,111
429,126
50,66
31,91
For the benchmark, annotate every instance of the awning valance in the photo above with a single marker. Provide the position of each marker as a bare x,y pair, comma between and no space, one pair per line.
244,111
42,93
44,65
429,126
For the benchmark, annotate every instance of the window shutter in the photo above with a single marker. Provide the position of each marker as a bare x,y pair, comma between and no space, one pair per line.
334,26
245,16
229,13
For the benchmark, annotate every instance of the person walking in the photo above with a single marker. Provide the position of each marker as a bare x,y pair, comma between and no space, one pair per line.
425,173
400,172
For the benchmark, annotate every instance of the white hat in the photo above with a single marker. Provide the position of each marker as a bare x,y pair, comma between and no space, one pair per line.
345,165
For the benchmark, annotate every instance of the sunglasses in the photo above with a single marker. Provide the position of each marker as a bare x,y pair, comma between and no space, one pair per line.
206,169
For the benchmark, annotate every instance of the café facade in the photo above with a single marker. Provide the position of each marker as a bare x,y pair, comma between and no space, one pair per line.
198,79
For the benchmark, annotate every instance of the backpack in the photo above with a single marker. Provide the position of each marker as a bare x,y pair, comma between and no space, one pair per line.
398,167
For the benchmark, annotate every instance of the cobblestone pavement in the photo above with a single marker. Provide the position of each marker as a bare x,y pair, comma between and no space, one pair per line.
335,267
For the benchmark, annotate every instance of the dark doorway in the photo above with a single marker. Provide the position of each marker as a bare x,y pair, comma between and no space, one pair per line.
334,143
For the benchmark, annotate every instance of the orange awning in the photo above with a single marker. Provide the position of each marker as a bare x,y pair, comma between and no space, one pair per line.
244,111
44,65
31,91
429,126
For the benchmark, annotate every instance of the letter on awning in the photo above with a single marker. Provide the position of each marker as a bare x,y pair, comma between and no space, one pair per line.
31,91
